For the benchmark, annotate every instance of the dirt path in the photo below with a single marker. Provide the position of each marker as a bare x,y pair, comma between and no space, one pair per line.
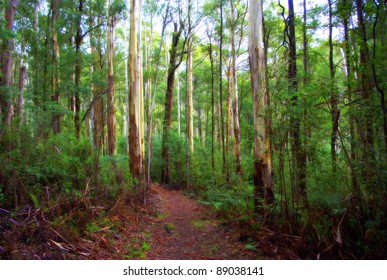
186,230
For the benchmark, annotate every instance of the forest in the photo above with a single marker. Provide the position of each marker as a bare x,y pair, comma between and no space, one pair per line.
193,129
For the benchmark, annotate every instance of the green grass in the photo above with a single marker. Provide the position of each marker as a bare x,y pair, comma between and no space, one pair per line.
170,227
199,224
138,253
139,247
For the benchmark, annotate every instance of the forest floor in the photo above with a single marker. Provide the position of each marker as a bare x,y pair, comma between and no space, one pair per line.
186,230
170,226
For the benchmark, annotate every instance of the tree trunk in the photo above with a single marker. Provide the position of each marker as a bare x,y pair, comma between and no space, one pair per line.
307,130
234,88
189,97
111,109
167,123
6,50
35,49
55,66
366,115
78,67
152,106
98,125
140,79
212,104
221,121
135,154
263,174
295,119
20,103
178,104
333,99
126,62
228,123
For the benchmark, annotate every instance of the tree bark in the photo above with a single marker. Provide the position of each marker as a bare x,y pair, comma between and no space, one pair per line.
295,119
167,123
152,106
189,97
221,121
263,174
20,103
78,67
333,99
228,123
111,109
135,154
234,88
366,117
178,104
212,103
55,95
98,120
6,50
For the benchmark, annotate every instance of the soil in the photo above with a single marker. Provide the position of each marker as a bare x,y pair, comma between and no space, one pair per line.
170,226
185,230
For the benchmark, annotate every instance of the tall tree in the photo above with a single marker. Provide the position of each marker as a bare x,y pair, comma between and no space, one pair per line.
152,99
190,80
221,119
210,52
295,118
96,51
234,89
111,110
366,116
333,95
6,50
21,88
263,173
55,65
167,123
135,90
345,10
78,67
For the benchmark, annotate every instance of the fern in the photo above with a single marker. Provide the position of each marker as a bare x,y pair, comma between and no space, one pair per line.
34,200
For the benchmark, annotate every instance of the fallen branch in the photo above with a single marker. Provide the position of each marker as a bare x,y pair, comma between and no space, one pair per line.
59,245
64,239
5,211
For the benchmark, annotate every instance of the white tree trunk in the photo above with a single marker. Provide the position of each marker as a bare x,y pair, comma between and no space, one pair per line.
135,118
189,98
263,177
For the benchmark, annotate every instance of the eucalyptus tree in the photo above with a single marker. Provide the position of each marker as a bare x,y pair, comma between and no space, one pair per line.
263,170
154,80
237,17
295,118
175,59
55,86
6,50
111,109
135,92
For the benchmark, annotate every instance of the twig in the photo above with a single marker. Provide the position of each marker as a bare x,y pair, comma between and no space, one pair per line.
292,236
5,211
59,245
15,222
64,239
87,187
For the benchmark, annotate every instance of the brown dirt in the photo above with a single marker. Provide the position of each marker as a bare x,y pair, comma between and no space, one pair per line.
170,226
184,229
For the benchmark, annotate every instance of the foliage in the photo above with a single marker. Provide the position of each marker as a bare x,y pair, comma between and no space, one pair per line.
40,168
